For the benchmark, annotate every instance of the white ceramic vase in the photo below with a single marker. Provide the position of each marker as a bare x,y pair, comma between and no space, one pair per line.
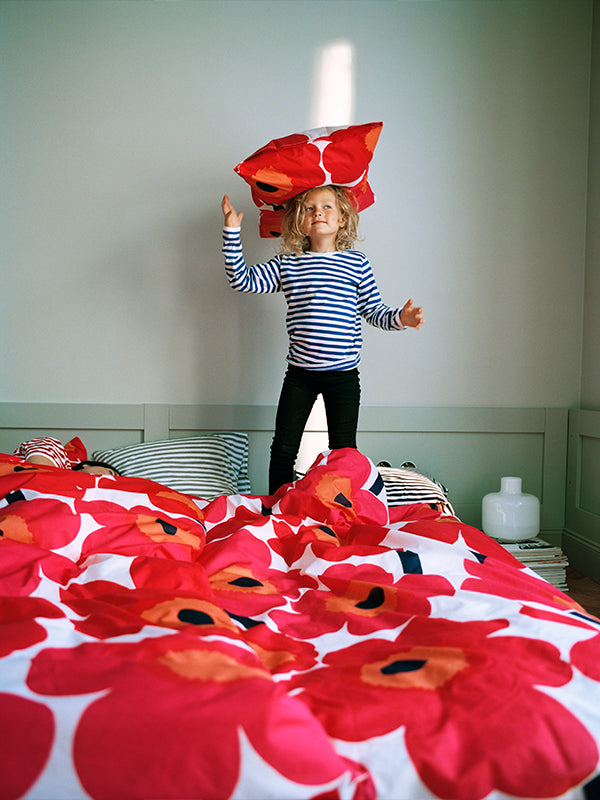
509,515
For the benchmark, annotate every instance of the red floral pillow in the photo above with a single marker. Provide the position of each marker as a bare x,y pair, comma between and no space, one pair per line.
286,167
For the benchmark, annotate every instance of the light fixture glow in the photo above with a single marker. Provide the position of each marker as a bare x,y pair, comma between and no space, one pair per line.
334,85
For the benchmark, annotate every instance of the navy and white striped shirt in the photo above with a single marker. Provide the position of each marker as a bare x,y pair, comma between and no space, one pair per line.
326,294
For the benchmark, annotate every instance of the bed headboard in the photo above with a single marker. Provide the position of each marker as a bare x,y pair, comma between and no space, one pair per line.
467,449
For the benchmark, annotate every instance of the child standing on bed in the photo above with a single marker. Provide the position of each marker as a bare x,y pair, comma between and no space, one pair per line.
328,287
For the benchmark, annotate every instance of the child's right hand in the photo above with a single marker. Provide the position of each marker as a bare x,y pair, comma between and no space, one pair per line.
231,216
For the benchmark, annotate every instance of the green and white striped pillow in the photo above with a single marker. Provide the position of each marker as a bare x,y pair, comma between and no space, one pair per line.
204,466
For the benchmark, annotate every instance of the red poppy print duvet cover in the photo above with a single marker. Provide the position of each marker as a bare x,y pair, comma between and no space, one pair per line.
313,644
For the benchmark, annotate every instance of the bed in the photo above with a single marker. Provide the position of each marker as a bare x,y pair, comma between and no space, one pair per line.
346,638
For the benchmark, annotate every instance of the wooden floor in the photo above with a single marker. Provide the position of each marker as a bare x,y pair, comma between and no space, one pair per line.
584,591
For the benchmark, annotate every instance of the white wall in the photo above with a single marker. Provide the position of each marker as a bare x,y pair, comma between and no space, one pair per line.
122,122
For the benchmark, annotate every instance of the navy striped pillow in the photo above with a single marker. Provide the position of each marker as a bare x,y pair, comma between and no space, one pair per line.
407,486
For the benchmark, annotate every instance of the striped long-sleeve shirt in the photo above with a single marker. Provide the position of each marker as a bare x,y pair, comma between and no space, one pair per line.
326,294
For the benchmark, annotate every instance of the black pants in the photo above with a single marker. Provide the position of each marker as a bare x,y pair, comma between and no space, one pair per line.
301,387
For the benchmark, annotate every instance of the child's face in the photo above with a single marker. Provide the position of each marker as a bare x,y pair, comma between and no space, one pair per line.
96,469
322,216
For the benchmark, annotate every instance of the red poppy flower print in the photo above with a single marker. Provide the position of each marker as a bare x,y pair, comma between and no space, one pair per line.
458,702
357,540
285,167
21,564
429,523
9,464
341,488
141,530
242,579
108,609
365,598
27,521
577,618
225,514
29,731
290,542
492,577
18,620
189,577
206,701
280,653
586,657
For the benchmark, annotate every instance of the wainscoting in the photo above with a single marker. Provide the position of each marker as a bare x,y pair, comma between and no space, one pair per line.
581,538
467,449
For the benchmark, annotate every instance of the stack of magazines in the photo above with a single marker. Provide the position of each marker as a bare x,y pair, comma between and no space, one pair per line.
546,559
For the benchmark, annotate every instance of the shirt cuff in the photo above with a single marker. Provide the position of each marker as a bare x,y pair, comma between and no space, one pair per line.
400,326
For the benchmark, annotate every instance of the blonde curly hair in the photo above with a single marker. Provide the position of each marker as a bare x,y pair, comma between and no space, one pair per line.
294,240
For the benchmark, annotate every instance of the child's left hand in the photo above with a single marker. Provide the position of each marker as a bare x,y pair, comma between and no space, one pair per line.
412,316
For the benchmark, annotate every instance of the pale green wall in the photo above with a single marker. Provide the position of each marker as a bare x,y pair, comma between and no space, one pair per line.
590,383
468,449
122,121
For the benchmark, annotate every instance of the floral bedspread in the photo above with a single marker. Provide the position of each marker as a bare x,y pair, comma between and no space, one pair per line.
307,645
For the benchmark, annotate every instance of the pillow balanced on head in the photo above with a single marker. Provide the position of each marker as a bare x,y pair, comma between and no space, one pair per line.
288,166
